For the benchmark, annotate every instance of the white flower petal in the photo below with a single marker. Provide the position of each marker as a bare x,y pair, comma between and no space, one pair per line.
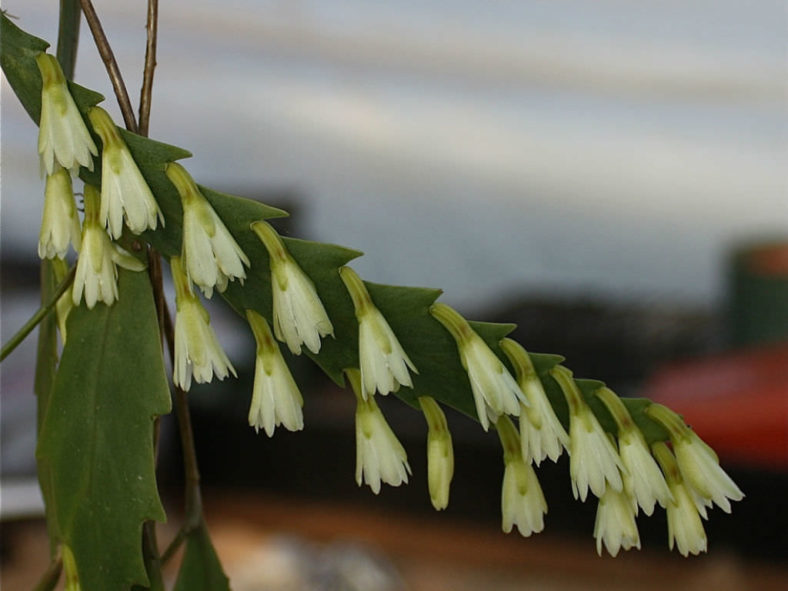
96,274
63,137
495,391
380,456
211,255
299,315
198,354
643,479
60,223
615,523
276,399
125,193
701,471
685,528
593,460
522,501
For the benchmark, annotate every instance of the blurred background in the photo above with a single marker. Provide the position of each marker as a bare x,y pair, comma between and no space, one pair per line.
609,175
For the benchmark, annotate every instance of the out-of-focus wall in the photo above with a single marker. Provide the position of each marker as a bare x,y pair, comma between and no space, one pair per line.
610,147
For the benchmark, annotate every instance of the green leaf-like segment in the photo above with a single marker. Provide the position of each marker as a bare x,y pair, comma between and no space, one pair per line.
95,447
200,569
406,308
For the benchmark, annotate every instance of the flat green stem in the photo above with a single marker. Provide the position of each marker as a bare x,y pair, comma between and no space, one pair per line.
42,312
68,36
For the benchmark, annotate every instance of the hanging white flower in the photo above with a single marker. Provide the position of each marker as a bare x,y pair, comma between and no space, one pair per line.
495,392
276,399
699,464
593,461
615,525
211,255
63,137
197,351
97,275
60,223
384,364
125,193
643,479
685,528
380,456
541,433
440,453
522,500
299,315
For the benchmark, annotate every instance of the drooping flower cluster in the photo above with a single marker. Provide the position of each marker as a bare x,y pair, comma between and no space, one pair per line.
614,463
65,144
695,478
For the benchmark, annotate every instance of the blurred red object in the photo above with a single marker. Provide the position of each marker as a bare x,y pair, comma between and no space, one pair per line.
737,403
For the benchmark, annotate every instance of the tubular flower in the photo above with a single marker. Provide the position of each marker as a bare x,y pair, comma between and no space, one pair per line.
522,500
276,399
384,364
379,455
63,137
643,480
699,465
541,433
211,255
70,569
593,461
124,191
299,315
97,274
494,390
440,453
615,522
60,223
685,528
197,351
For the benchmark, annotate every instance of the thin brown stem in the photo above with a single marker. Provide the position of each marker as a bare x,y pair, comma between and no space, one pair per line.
150,553
51,576
105,51
152,27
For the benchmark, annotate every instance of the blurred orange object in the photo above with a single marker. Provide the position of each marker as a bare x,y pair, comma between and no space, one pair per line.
737,403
